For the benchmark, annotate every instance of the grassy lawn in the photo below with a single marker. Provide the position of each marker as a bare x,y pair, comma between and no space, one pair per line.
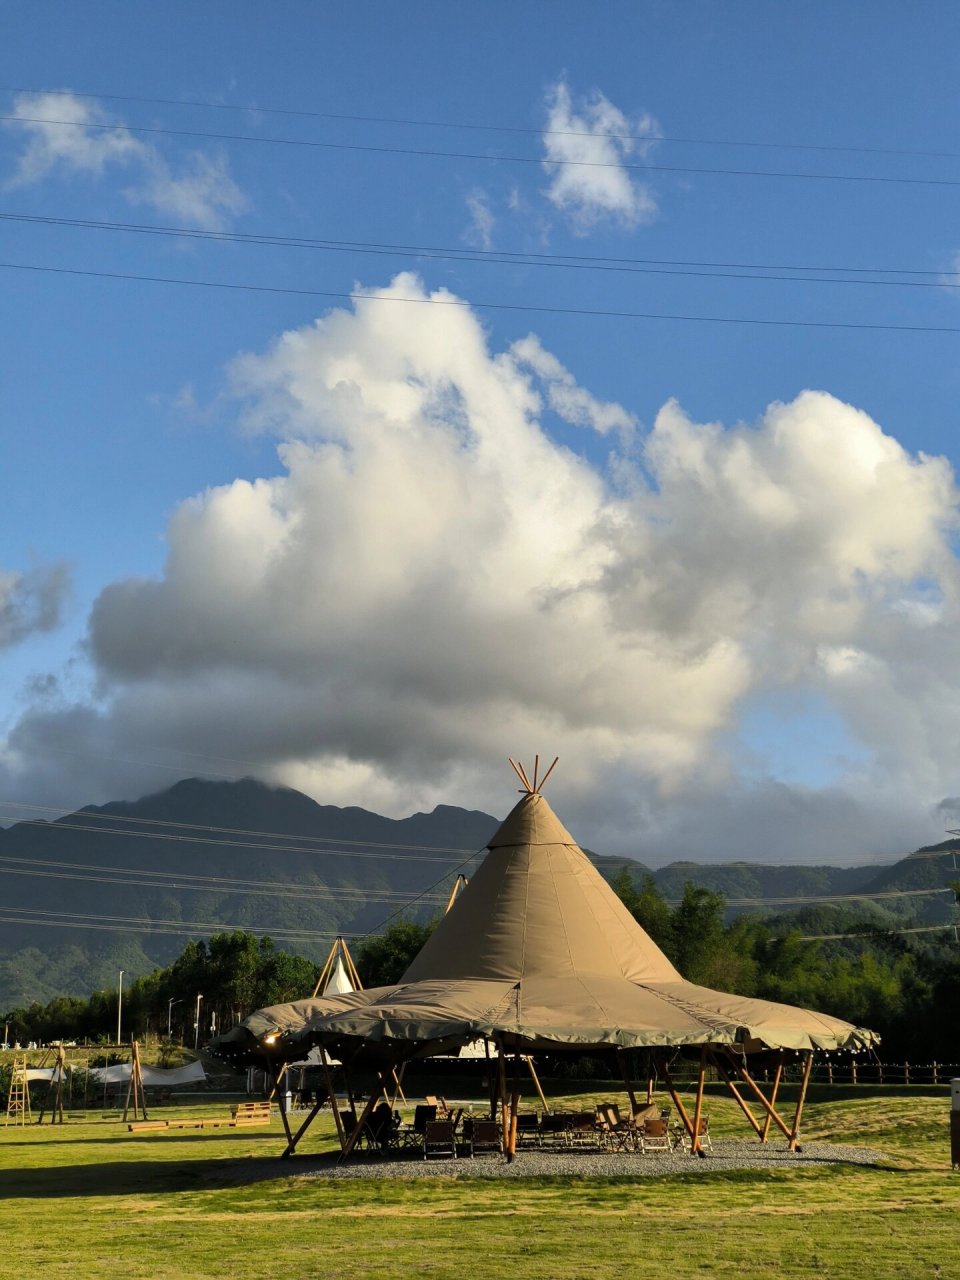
86,1199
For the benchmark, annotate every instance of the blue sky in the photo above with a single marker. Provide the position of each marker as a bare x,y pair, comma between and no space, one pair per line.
710,623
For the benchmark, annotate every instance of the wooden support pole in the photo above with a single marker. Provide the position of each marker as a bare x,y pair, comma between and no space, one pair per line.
536,1084
695,1148
514,1107
651,1075
398,1091
491,1079
777,1076
135,1086
741,1102
332,1095
502,1082
758,1092
359,1127
292,1143
795,1128
681,1109
625,1072
325,972
282,1103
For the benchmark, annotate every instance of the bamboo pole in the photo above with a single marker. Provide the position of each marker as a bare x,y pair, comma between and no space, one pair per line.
282,1104
795,1129
695,1149
770,1110
536,1083
292,1144
332,1095
777,1076
514,1106
624,1071
668,1081
502,1081
741,1101
358,1128
548,773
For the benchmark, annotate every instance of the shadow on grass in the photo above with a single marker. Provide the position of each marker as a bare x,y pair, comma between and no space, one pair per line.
275,1139
157,1177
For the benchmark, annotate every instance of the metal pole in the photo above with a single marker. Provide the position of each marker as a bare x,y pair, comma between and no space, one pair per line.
196,1024
119,1006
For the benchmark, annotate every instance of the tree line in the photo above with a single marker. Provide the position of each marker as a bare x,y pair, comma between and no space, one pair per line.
904,987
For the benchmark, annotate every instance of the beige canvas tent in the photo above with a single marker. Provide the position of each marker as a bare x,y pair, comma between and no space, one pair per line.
539,954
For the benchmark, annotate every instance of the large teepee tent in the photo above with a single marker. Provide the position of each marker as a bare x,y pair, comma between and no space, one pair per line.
539,954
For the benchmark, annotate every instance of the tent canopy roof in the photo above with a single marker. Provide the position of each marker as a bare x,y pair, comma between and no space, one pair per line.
538,952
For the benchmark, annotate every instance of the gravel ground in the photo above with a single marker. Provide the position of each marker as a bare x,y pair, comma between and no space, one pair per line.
727,1153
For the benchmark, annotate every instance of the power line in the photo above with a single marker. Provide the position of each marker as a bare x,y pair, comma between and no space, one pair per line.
870,936
564,262
309,893
433,153
203,826
886,860
230,844
806,899
492,128
80,920
476,305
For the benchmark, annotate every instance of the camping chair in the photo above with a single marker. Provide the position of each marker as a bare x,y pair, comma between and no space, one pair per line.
554,1128
703,1132
482,1135
366,1141
441,1110
439,1139
582,1131
616,1134
528,1129
654,1135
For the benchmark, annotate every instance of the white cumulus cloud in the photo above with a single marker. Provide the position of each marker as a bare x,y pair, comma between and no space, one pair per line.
432,581
587,147
65,135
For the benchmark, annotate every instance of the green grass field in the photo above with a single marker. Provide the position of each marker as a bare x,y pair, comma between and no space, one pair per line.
87,1199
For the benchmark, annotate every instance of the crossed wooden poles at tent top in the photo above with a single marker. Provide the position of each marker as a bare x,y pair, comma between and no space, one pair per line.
532,788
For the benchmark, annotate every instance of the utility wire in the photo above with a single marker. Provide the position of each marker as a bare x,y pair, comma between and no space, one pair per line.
309,893
870,936
473,126
272,888
203,826
525,308
548,162
885,861
707,271
230,844
24,916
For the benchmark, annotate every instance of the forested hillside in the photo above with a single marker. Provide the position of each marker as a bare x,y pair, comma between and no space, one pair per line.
123,886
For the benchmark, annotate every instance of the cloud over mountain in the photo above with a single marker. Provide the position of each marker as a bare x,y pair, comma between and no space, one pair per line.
431,580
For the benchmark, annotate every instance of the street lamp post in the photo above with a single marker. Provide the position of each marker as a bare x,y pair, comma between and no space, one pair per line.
170,1003
119,1005
196,1023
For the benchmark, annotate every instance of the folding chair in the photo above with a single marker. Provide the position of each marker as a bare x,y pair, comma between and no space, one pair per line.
482,1135
654,1135
439,1139
703,1134
616,1134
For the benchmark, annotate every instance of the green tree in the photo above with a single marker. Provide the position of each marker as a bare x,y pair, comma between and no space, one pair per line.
383,960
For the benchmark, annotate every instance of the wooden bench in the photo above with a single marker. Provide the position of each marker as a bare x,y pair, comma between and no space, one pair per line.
243,1116
251,1113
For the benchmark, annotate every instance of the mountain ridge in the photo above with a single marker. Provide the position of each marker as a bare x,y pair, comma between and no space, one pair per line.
132,878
